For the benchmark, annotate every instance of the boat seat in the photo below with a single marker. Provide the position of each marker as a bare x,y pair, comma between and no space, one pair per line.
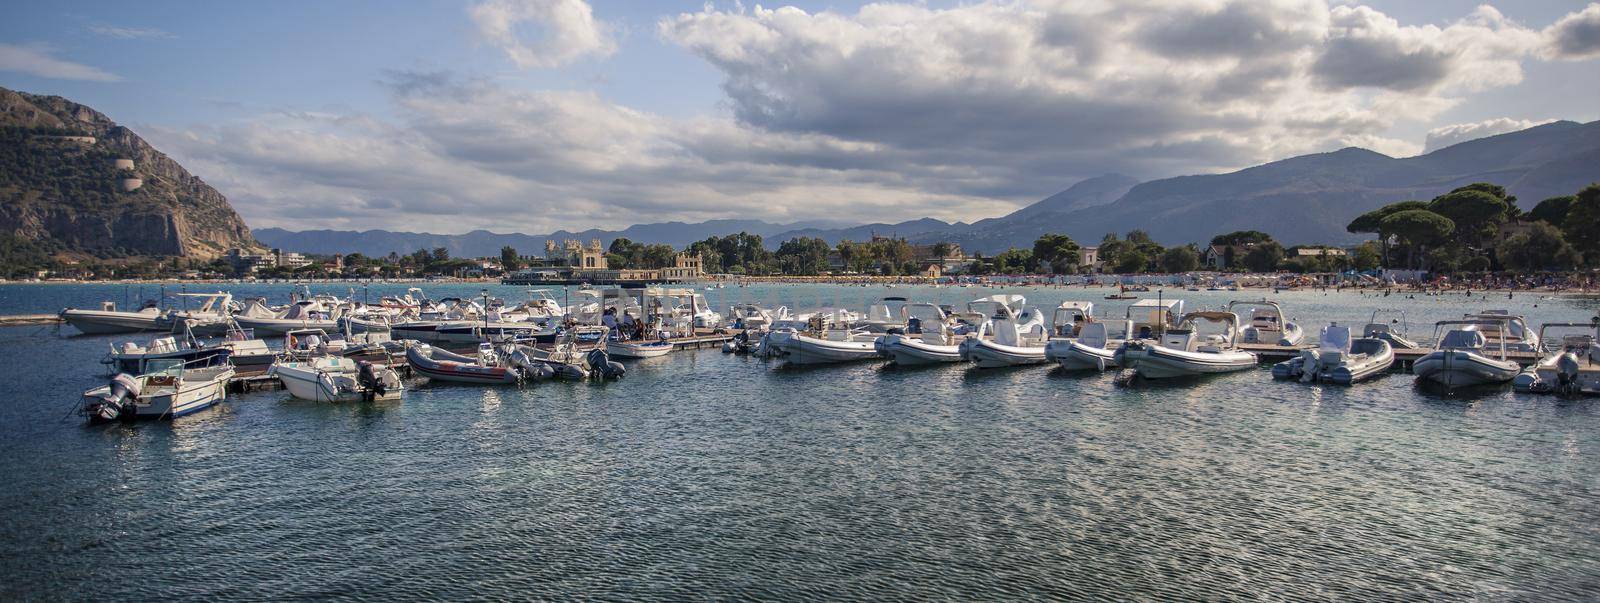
1335,339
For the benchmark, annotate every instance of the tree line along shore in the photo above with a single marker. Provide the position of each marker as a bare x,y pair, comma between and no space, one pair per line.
1476,232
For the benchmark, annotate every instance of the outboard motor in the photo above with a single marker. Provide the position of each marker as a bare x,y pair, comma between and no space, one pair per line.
124,389
1567,374
367,376
1310,365
604,365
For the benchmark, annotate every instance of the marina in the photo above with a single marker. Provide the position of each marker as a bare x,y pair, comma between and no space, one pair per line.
696,428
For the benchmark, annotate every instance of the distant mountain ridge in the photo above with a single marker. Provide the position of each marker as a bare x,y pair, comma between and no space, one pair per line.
480,243
75,182
1299,200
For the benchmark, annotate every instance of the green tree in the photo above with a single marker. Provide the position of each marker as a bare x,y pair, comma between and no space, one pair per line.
1419,229
1181,259
1014,261
1541,247
1057,250
803,256
941,250
1582,224
1368,256
1131,261
439,254
1372,223
1241,238
1553,211
1475,214
1263,257
509,260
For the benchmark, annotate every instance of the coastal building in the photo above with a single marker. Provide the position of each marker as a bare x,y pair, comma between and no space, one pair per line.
289,259
1089,259
247,263
571,253
1320,252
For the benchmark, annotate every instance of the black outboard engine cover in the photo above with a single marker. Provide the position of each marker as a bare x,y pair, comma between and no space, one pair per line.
603,365
367,376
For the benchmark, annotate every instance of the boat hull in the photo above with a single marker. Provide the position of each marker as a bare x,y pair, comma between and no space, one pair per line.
988,354
802,349
1156,362
98,322
1347,372
280,326
188,398
307,383
1460,368
1074,356
907,351
623,349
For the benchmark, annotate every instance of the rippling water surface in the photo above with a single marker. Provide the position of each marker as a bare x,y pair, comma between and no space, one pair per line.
703,474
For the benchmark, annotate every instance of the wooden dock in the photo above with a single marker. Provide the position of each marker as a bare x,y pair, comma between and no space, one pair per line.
26,320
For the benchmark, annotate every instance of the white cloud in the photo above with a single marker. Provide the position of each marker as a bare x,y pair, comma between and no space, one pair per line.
37,61
892,112
543,33
501,159
1577,35
128,33
1445,136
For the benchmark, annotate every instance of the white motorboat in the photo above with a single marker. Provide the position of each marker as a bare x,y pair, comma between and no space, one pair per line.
338,379
213,317
1476,350
638,349
930,337
302,314
1390,326
485,368
1268,324
1184,351
110,321
167,390
824,347
1338,359
1094,349
1572,369
1018,339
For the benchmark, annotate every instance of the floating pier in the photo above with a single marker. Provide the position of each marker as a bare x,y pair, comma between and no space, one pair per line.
25,320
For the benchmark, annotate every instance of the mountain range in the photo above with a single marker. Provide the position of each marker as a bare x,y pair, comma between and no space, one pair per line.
1300,200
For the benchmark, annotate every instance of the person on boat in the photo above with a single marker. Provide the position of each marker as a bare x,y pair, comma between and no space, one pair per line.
629,325
609,318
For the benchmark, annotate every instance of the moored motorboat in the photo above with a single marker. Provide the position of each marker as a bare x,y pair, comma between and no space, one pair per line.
1009,338
1390,326
1338,359
110,321
1572,369
1184,351
1094,349
1475,350
929,337
824,347
1268,324
485,368
338,379
168,390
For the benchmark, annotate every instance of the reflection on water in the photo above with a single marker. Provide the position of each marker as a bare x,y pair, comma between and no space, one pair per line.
702,474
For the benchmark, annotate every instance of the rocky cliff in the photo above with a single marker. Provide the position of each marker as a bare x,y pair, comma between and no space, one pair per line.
66,185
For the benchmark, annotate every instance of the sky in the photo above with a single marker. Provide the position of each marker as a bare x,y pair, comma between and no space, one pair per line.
537,115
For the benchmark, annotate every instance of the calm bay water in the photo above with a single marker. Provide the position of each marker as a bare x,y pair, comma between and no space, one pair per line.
709,475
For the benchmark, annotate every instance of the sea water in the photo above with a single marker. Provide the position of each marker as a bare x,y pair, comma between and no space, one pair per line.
705,475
